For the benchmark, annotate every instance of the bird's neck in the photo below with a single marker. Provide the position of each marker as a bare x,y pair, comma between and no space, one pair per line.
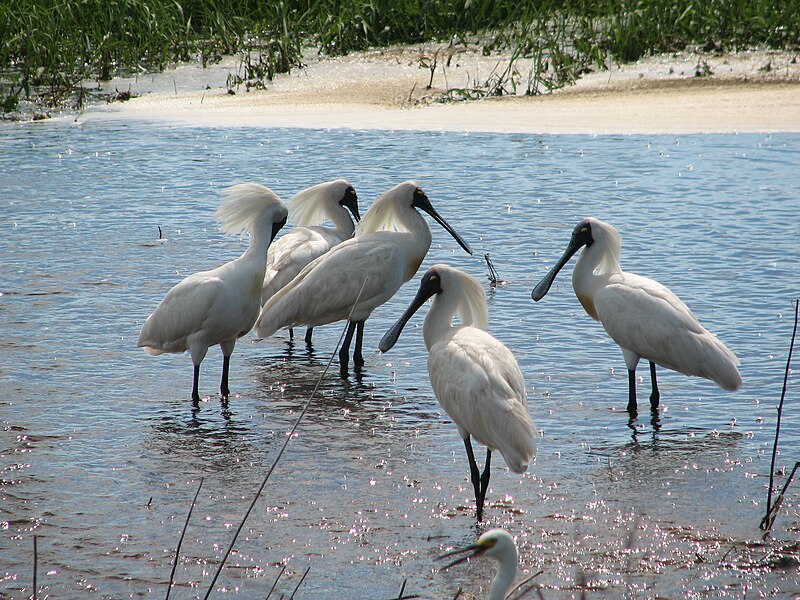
256,252
504,579
343,224
592,271
439,320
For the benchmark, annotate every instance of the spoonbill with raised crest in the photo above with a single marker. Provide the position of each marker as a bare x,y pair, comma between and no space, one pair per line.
643,317
221,305
310,239
475,377
361,273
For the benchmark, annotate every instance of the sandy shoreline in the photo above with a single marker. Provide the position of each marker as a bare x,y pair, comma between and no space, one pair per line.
390,90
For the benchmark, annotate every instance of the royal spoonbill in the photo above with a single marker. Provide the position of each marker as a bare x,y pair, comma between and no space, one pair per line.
498,544
475,378
309,239
221,305
361,273
643,317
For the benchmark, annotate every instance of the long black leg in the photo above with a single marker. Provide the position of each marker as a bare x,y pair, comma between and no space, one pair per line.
223,386
632,410
655,396
309,332
291,333
475,476
485,479
344,351
358,360
195,394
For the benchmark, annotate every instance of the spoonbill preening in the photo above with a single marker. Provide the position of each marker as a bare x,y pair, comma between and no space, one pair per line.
643,317
221,305
309,239
475,377
499,544
361,273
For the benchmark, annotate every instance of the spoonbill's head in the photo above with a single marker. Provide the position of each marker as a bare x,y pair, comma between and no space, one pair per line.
420,201
244,206
582,236
430,285
349,199
391,211
313,205
497,543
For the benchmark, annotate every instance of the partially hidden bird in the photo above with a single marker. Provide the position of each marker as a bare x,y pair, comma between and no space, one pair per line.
499,544
333,200
643,317
221,305
360,274
475,377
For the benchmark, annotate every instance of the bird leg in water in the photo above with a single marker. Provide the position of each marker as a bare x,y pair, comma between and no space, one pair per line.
223,386
655,396
344,351
358,359
480,482
195,394
632,410
485,478
291,333
309,332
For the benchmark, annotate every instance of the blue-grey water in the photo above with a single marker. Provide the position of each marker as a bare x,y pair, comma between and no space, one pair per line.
101,452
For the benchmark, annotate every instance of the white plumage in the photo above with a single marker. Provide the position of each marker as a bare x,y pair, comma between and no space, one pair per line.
310,239
475,377
359,274
499,544
642,316
221,305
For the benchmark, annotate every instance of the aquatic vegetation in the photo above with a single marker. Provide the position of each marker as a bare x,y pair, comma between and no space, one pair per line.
49,48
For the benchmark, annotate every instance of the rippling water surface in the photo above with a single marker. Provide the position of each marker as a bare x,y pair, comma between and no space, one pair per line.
101,452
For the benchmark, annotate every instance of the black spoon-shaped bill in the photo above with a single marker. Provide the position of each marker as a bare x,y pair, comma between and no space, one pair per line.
581,236
421,202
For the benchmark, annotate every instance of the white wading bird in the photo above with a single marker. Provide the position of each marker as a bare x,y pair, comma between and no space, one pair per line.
475,378
309,239
498,544
642,316
359,274
221,305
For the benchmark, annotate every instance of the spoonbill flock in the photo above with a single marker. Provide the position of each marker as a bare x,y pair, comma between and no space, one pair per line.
317,275
360,274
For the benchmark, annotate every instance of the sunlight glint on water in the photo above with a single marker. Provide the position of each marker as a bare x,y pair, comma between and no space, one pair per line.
101,452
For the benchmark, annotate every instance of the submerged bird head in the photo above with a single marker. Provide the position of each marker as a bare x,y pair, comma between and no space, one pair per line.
586,233
466,294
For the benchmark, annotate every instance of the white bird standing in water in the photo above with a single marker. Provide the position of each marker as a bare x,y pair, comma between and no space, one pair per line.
498,544
221,305
309,239
475,378
642,316
359,274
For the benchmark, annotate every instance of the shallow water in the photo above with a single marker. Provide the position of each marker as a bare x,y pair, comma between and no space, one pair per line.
101,452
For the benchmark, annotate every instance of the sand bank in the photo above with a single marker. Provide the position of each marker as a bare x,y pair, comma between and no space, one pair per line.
392,89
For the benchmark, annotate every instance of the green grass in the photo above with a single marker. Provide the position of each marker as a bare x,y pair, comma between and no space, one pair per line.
48,47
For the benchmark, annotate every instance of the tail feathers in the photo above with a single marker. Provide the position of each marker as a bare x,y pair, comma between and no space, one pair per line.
276,314
519,446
